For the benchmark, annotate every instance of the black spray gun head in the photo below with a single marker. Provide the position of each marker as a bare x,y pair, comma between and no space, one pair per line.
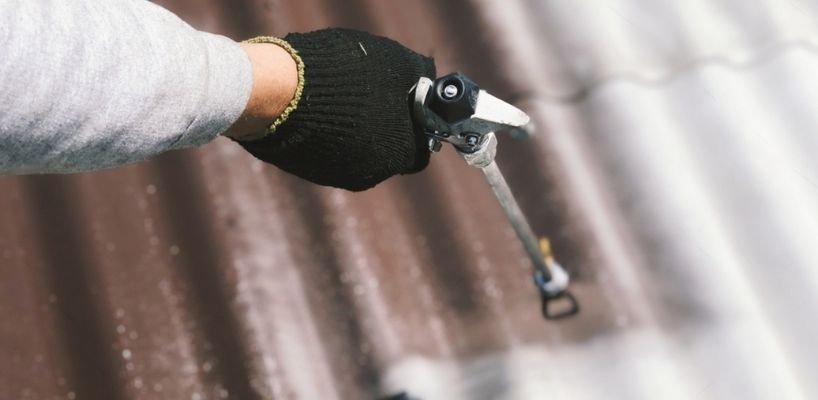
454,109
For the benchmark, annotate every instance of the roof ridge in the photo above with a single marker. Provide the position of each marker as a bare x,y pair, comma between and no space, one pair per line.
663,78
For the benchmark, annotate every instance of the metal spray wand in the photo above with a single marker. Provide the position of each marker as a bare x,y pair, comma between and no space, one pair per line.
453,109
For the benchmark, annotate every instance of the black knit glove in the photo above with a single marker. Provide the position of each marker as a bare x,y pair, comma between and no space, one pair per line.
352,127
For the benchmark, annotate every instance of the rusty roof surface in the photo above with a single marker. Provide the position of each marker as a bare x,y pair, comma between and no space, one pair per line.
673,168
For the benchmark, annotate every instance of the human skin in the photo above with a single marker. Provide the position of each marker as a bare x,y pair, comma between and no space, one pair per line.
275,78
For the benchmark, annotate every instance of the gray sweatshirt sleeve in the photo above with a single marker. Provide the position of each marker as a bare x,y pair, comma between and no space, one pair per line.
89,84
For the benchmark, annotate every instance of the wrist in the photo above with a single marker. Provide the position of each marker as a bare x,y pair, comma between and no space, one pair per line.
275,81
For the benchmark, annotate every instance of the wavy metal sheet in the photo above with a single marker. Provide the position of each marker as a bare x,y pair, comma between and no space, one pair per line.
673,168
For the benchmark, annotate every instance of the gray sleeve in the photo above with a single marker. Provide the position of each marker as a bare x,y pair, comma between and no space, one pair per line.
89,84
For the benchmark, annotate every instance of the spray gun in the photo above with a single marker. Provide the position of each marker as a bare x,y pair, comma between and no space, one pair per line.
453,109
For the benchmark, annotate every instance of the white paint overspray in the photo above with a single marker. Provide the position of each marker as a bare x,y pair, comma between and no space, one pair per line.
290,359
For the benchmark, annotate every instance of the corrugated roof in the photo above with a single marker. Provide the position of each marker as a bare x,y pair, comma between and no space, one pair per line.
672,167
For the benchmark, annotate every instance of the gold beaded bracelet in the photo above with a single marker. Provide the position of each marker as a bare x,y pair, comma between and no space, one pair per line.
298,89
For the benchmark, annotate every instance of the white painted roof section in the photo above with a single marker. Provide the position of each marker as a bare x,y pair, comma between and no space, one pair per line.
686,132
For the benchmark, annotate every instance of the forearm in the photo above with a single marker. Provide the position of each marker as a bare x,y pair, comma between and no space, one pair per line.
91,84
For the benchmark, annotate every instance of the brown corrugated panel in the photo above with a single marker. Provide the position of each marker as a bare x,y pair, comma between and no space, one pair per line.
205,274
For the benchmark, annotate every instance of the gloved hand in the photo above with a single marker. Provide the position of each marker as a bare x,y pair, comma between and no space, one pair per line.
352,126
